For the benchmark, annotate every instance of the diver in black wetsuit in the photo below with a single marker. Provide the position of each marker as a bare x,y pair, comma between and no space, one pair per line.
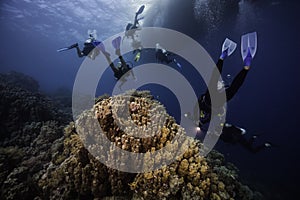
205,101
230,134
88,49
162,55
123,67
235,135
131,28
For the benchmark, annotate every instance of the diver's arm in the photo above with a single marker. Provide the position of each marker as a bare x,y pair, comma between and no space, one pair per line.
111,64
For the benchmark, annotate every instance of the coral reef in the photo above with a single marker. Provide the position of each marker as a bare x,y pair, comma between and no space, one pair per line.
22,165
16,79
19,108
31,132
42,158
190,176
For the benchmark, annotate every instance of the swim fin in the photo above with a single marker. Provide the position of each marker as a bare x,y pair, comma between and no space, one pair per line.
249,44
230,45
67,48
117,42
62,49
101,47
141,9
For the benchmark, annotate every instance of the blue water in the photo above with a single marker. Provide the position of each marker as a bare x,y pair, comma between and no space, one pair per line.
267,103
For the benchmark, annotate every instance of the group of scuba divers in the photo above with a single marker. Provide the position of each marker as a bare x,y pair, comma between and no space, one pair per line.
230,133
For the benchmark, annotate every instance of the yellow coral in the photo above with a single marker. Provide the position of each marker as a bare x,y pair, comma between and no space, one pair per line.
183,167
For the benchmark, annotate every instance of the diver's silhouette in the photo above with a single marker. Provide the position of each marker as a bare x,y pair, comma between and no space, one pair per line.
230,133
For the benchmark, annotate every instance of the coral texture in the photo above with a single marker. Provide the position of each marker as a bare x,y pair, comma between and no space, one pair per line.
41,158
190,176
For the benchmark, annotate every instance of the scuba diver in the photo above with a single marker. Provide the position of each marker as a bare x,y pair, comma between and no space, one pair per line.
235,135
89,47
230,134
130,31
162,55
122,67
131,28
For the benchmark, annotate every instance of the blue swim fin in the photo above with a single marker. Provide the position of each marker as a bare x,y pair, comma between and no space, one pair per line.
230,45
99,45
117,42
249,44
141,9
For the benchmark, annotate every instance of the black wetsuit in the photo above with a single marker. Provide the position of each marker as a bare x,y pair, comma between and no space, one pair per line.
87,49
234,135
230,133
162,57
119,72
205,101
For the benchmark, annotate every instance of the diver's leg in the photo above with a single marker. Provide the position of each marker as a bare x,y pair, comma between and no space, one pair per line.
118,53
107,56
123,62
166,59
216,75
259,148
135,21
159,55
204,100
236,83
220,65
122,80
247,145
213,82
252,139
79,52
111,64
132,74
